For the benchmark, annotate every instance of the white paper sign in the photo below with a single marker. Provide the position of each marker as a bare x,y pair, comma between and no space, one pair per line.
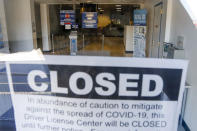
65,93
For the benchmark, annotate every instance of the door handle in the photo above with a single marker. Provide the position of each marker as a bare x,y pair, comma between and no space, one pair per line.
153,43
156,26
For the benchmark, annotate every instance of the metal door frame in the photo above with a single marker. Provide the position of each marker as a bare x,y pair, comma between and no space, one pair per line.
156,5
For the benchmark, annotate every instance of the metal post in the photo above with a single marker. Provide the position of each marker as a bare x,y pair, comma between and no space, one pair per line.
74,5
159,46
64,42
53,44
162,53
103,41
83,41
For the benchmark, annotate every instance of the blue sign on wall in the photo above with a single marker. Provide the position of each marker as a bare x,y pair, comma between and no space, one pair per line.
67,17
140,17
89,20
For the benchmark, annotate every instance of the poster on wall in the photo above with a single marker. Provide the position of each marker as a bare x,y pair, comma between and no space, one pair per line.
139,41
89,20
67,18
140,17
96,94
1,36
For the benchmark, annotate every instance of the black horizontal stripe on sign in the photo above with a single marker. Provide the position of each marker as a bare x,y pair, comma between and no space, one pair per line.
171,80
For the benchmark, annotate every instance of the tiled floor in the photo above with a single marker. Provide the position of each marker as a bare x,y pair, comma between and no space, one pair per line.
113,46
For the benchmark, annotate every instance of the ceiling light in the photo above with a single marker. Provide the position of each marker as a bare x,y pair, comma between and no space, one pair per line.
118,5
118,8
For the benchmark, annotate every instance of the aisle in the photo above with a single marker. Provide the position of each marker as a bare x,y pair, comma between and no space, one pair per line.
113,45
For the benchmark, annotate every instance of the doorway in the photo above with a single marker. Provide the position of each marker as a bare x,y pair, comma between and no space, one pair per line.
156,46
106,40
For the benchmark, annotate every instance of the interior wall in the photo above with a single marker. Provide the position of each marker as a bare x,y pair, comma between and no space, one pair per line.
19,25
182,26
56,28
45,26
4,28
33,19
38,20
149,5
